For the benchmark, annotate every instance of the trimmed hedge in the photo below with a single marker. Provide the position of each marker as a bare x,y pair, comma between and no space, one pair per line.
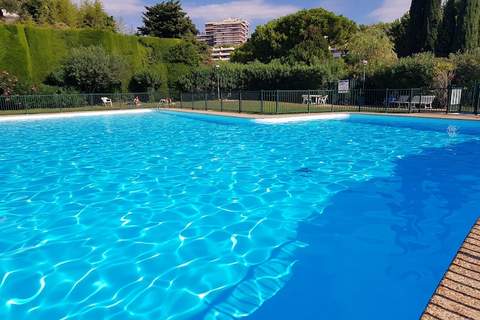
31,53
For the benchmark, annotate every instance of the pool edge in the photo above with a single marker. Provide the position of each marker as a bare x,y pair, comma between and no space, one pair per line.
458,293
74,114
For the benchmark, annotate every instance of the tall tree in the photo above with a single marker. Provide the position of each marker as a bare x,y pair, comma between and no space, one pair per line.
425,19
468,33
302,37
398,33
446,42
167,20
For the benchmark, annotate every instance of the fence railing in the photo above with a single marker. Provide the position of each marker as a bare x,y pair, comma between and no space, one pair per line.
440,100
69,102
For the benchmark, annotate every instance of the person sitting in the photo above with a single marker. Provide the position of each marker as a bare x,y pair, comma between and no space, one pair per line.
137,101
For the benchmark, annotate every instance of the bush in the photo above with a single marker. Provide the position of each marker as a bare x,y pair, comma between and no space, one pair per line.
417,71
467,68
184,52
91,70
144,81
258,76
7,83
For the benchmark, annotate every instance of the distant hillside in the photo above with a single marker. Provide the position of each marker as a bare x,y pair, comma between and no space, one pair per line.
32,53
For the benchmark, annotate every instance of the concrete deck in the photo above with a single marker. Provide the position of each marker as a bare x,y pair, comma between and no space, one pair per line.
458,295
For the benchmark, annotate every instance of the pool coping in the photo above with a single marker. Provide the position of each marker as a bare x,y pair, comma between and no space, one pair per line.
458,294
254,116
312,115
60,115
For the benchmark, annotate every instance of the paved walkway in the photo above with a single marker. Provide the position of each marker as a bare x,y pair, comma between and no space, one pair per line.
458,295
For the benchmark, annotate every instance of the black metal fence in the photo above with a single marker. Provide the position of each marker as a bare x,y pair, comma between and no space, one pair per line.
70,102
440,100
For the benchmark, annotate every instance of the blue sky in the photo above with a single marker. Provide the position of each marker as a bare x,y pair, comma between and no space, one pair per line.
260,11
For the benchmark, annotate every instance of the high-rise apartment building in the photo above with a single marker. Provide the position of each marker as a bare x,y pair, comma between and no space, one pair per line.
229,32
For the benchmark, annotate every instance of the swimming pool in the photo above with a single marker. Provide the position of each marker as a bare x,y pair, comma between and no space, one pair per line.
167,216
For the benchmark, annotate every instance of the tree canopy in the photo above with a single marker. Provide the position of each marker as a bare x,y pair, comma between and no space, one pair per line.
303,37
373,45
468,33
90,69
425,19
167,20
88,14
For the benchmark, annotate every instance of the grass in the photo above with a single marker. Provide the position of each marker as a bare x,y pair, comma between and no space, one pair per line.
269,107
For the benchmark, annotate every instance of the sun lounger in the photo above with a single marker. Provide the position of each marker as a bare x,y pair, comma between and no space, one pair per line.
107,101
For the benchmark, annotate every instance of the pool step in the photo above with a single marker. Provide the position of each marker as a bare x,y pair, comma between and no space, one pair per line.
458,295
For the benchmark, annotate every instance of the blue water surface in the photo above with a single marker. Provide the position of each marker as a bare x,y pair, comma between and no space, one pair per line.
162,216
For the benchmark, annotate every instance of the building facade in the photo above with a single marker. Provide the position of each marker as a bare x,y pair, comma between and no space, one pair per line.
224,36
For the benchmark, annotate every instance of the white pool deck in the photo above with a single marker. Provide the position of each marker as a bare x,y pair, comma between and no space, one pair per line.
62,115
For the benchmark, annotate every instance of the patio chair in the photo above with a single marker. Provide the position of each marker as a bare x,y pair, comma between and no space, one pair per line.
425,101
402,100
307,99
322,100
107,101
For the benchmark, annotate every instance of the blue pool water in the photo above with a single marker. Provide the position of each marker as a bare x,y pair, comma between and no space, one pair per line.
161,216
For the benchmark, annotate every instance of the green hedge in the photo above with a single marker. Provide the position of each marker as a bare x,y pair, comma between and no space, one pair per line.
32,53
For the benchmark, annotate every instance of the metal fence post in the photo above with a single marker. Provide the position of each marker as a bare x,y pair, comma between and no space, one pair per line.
181,100
309,101
361,99
449,99
193,103
387,100
261,101
221,101
240,101
410,101
276,101
477,100
206,101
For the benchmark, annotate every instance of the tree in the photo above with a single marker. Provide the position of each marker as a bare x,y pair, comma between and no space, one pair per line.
371,44
167,20
304,35
145,81
91,70
448,31
425,19
468,33
93,15
184,52
398,34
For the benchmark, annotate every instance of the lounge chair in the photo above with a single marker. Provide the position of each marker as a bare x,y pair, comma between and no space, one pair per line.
402,100
107,101
425,101
322,100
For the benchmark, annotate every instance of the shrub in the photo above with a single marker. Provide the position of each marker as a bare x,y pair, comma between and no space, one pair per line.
411,72
184,52
91,69
258,76
144,81
467,68
7,83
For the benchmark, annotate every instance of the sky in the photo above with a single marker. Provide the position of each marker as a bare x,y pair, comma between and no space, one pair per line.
260,11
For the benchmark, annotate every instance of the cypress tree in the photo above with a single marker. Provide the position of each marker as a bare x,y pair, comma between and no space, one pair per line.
468,32
447,42
425,19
